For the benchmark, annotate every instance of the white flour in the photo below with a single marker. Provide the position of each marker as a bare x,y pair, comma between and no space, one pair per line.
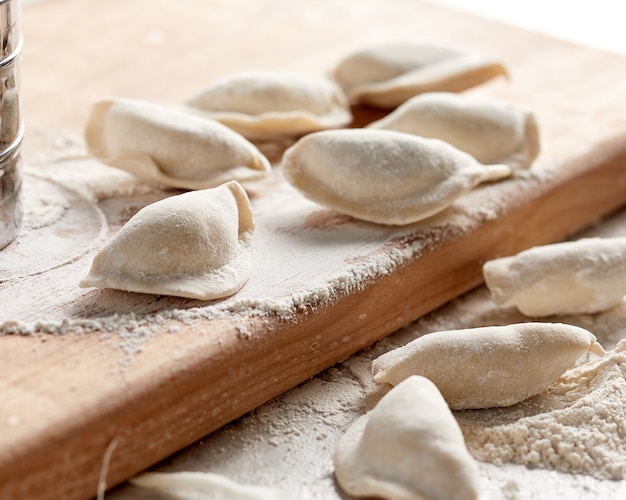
93,180
43,211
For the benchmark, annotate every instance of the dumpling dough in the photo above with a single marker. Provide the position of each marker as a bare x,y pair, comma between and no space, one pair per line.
383,176
169,146
387,75
203,486
197,245
269,104
491,131
575,277
490,366
409,447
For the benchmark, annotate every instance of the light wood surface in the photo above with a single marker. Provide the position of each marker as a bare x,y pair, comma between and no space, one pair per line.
76,410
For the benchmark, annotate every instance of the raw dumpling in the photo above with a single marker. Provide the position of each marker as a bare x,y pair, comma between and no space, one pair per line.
491,131
409,447
203,486
169,146
575,277
197,245
490,366
383,176
270,104
385,76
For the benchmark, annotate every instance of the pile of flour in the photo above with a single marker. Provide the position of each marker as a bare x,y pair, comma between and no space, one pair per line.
578,426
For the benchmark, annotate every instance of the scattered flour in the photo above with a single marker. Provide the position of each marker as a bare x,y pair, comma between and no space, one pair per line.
128,332
64,160
91,179
43,211
297,430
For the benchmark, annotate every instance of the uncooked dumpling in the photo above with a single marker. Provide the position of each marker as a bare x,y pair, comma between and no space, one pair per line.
270,104
385,76
491,131
490,366
169,146
196,245
383,176
203,486
575,277
409,447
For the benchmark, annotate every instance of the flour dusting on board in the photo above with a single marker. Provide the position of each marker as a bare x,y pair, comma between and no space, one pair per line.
43,211
91,179
305,257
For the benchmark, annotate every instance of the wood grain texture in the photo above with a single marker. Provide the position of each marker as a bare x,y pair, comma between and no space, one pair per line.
67,399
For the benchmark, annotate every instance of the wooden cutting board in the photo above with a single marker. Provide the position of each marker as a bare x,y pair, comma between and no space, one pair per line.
101,384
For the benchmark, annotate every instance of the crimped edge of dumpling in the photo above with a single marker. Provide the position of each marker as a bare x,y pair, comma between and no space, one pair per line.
271,124
143,166
450,75
276,124
94,130
205,286
528,153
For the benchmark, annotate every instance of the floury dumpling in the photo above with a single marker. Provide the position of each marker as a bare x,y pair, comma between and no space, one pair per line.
491,366
387,75
491,131
267,105
174,148
203,486
196,245
585,276
409,447
383,176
